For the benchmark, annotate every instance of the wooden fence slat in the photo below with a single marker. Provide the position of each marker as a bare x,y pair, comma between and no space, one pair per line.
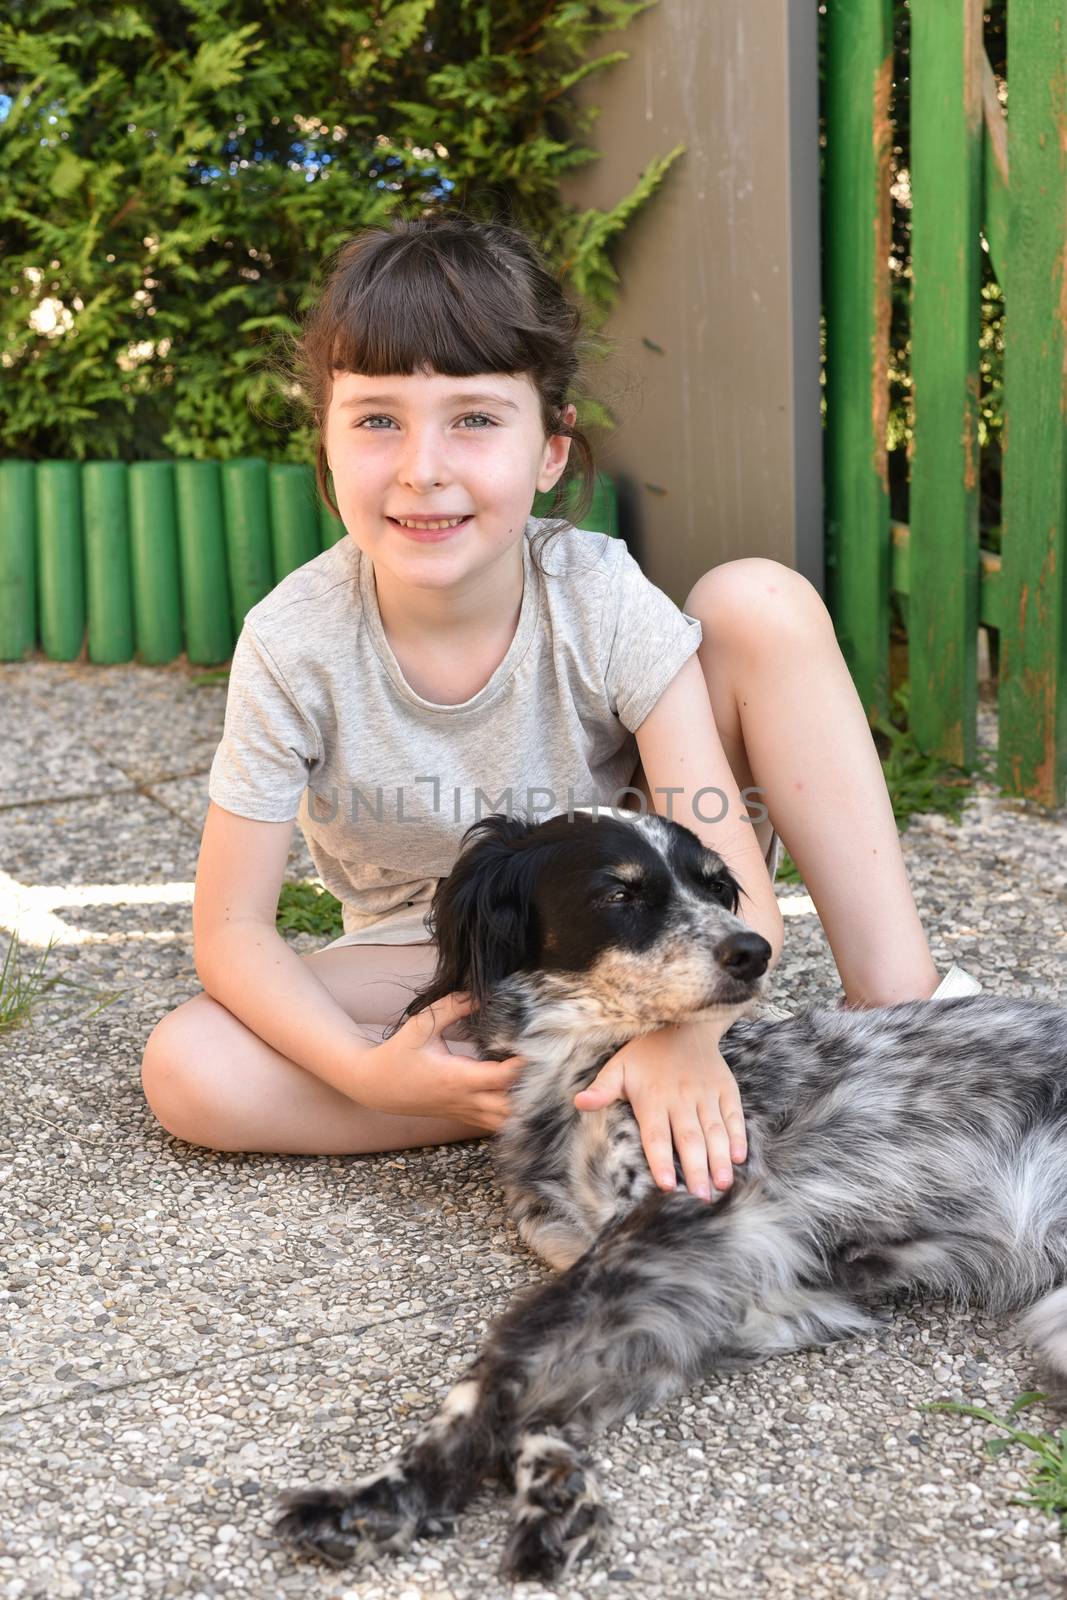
206,613
18,559
154,567
989,594
60,559
1032,757
859,70
946,187
106,545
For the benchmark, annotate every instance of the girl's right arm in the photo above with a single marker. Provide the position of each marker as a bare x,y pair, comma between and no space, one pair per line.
244,963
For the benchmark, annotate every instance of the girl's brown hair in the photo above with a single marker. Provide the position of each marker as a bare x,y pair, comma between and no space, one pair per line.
452,295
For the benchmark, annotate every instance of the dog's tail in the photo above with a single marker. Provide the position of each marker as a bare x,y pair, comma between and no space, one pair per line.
1045,1327
559,1517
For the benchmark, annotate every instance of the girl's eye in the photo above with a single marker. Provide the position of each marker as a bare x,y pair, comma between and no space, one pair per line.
478,417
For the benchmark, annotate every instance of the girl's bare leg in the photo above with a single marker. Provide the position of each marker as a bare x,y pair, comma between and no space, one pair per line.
791,723
213,1082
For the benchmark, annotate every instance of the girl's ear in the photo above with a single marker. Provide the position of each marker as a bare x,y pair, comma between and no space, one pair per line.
554,463
557,452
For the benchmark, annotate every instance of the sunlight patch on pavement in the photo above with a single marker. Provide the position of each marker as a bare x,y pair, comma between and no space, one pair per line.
798,905
30,910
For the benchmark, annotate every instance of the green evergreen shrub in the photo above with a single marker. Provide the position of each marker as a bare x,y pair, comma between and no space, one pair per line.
174,172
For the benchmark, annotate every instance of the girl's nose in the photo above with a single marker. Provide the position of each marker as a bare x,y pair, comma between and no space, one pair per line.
422,460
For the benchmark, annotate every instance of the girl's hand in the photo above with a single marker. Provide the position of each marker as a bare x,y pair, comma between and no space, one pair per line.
684,1097
416,1074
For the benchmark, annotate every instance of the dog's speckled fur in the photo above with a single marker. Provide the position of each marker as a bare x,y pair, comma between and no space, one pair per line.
921,1145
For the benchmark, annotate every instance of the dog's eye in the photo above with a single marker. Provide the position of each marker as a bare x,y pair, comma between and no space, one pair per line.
618,897
721,889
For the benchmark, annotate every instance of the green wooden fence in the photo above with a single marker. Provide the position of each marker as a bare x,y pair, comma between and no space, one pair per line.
118,562
973,171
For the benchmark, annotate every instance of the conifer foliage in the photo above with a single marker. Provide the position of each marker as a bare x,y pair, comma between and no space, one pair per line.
174,172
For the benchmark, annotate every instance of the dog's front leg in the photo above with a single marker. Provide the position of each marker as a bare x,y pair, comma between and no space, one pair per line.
664,1297
417,1495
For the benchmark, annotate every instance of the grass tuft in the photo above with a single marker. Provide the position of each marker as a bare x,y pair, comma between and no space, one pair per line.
18,994
306,907
1048,1483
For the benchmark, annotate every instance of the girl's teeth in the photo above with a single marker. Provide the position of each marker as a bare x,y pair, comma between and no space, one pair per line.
454,522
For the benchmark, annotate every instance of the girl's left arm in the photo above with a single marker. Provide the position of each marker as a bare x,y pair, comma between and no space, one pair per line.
683,1094
681,751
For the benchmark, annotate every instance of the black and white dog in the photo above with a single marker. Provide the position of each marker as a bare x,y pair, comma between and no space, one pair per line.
920,1145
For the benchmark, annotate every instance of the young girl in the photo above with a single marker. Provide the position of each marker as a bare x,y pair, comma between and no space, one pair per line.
451,657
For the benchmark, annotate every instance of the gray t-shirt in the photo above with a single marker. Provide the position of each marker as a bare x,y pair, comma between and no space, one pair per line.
322,726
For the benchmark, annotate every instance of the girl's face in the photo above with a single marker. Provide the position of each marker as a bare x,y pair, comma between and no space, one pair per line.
424,449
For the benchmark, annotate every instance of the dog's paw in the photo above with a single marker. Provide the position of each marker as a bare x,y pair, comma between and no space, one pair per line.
544,1549
347,1527
559,1519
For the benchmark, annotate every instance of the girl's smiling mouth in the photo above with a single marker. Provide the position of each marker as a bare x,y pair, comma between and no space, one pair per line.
429,528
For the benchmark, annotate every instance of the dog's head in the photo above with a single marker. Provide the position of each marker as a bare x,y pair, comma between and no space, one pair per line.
636,916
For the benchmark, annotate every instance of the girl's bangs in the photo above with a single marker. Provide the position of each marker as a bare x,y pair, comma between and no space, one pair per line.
421,319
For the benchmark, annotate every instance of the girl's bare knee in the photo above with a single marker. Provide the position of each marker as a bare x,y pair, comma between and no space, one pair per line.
173,1077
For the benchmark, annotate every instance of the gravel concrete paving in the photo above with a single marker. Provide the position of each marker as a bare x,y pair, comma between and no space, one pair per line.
190,1331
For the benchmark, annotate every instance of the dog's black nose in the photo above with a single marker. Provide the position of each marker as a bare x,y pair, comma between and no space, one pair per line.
744,955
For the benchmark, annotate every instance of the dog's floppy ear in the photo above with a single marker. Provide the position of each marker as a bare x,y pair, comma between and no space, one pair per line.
480,913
